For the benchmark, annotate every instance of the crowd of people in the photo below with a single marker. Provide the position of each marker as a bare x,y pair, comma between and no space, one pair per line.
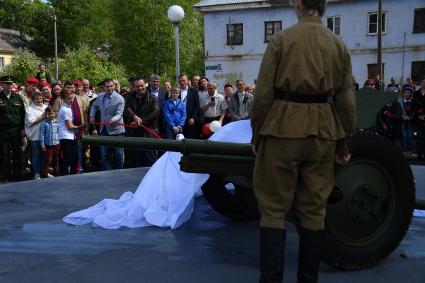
402,119
377,84
42,122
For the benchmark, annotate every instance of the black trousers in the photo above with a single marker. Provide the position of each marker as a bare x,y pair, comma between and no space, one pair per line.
70,156
10,156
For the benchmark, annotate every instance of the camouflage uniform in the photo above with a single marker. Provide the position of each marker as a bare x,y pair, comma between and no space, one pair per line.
12,115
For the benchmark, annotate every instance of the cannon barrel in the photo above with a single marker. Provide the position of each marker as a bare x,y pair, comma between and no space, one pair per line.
183,146
199,156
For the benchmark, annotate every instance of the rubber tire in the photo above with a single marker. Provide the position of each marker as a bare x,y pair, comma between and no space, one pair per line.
240,205
380,150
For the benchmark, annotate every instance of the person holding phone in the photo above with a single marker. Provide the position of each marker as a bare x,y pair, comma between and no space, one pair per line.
213,105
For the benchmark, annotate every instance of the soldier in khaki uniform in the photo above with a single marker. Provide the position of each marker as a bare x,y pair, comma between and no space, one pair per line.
302,118
12,115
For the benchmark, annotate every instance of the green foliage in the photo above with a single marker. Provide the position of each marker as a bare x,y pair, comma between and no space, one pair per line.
13,14
134,33
23,65
82,63
144,37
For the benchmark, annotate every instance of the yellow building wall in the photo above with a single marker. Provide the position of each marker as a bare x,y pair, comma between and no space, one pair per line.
7,58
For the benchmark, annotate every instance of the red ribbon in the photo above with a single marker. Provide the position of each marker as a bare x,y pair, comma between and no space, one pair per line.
150,131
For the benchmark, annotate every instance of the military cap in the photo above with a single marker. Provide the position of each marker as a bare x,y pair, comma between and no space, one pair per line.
7,79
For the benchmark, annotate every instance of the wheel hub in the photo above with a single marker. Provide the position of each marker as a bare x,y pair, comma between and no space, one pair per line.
367,206
365,203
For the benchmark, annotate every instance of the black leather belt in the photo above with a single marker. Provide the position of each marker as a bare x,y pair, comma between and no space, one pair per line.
301,97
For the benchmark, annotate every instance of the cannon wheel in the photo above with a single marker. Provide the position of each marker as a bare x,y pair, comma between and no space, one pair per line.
373,216
377,208
239,204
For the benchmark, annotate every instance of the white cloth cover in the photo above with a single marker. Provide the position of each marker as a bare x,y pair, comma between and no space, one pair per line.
164,198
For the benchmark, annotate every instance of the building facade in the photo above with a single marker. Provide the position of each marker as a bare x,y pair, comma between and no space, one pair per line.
10,42
237,33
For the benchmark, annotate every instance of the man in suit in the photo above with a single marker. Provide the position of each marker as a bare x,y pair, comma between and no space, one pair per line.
162,96
111,105
189,96
141,109
240,103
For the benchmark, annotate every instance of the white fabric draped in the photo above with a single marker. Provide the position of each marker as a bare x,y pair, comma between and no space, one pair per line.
164,198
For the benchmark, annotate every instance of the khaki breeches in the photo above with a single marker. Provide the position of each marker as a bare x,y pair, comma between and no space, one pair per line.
294,175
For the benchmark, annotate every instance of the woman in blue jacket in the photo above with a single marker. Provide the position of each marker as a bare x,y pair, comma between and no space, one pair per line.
174,114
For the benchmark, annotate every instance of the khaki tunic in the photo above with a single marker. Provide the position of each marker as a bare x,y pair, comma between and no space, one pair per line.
305,58
296,142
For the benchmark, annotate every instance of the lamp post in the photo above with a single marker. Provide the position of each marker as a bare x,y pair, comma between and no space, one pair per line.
379,53
176,15
56,45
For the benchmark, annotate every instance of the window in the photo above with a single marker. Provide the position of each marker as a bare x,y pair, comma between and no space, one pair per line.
373,23
334,24
234,34
418,71
419,21
1,62
270,29
373,70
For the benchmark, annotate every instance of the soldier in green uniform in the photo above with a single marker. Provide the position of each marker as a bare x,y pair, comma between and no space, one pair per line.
12,115
302,118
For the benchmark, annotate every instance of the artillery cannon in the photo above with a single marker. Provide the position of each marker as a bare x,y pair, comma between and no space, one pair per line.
365,226
377,186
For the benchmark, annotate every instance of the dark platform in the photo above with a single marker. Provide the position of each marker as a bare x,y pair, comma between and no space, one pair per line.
36,246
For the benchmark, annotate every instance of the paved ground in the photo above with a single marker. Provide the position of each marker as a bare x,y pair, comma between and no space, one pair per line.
36,246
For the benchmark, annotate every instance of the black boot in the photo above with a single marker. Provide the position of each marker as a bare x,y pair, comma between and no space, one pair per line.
272,251
309,255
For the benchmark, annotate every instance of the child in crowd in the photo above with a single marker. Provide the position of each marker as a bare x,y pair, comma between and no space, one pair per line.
405,114
49,142
175,114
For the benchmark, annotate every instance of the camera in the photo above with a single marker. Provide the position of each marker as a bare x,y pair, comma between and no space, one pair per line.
212,99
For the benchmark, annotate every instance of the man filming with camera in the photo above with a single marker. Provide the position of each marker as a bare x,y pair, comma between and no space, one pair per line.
213,105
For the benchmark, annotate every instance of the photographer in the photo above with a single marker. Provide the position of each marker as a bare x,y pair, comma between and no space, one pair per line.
213,105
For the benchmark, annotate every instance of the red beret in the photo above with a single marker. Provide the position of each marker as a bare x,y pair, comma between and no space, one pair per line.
78,83
46,84
32,81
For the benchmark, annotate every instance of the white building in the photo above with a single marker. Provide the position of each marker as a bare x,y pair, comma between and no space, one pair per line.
237,32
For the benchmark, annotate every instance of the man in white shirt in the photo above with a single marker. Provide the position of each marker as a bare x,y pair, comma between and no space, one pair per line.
213,105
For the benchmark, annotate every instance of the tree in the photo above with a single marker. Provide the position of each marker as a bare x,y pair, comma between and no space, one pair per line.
23,66
82,63
144,38
12,13
133,33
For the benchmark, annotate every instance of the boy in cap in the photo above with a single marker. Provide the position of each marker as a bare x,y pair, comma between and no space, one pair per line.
12,117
